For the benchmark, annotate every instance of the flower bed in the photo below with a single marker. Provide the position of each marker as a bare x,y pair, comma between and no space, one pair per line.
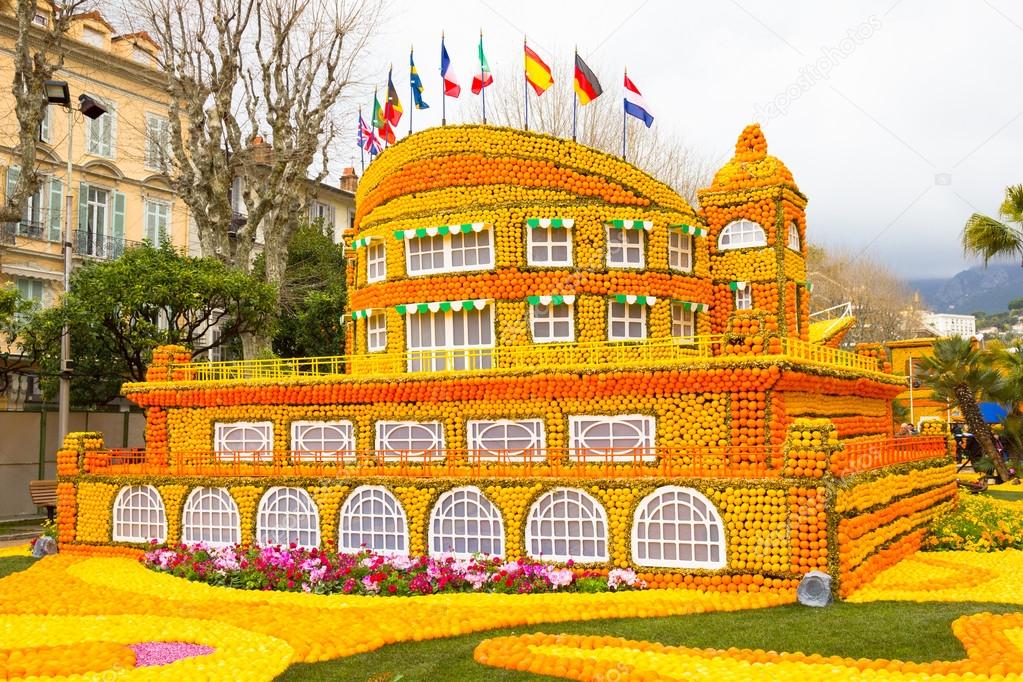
293,569
979,524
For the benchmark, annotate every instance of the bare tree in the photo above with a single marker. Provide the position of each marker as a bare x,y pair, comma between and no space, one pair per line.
599,124
880,300
39,52
240,72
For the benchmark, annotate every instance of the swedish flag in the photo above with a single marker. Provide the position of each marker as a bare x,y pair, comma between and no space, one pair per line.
417,84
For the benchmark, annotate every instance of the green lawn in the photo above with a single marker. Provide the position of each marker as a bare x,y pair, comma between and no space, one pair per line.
13,564
896,630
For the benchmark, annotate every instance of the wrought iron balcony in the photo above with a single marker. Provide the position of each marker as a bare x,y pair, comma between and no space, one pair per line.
100,246
26,229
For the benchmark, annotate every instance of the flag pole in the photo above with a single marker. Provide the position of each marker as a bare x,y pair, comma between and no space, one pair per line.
362,148
411,94
525,84
483,80
443,92
575,96
624,119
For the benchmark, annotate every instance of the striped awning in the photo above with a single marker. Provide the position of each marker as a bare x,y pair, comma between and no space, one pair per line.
632,224
442,306
550,222
737,286
690,229
691,305
361,314
365,241
632,298
555,299
441,230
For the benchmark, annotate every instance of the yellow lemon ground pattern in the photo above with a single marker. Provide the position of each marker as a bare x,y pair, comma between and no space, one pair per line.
67,599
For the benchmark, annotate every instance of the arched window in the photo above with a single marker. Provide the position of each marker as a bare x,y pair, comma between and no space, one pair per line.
211,516
793,237
567,524
741,234
327,441
288,515
372,518
677,528
464,522
139,515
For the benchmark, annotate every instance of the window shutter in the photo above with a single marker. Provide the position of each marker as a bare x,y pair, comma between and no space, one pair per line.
112,129
330,218
118,216
12,180
56,197
83,206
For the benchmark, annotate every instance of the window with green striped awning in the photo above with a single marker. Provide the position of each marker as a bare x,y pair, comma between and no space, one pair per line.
535,223
619,224
442,306
440,230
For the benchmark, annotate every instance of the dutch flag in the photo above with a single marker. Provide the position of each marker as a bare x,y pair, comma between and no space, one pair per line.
635,105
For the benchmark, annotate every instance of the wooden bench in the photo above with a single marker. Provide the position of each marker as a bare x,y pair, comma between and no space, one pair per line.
44,494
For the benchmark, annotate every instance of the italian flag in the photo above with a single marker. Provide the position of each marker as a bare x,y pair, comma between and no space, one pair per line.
483,78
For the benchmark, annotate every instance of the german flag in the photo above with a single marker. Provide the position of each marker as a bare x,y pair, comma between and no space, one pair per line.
587,87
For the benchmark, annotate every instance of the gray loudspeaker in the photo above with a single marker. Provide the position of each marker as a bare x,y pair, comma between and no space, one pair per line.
815,589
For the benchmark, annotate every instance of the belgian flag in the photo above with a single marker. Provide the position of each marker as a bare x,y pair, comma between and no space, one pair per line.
587,87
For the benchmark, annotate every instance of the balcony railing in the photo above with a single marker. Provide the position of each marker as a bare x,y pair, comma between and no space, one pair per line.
557,356
26,229
865,454
100,246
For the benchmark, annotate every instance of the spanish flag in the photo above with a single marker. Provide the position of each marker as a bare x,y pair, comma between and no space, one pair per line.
587,87
538,74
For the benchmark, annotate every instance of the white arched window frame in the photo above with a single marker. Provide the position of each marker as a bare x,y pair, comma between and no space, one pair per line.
211,517
617,438
417,441
793,237
288,515
677,527
512,439
323,441
567,523
463,523
252,441
139,515
373,518
742,234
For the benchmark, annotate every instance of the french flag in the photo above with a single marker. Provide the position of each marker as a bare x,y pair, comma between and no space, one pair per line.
447,72
635,105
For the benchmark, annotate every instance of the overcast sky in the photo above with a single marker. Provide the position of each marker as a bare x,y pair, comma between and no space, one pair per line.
898,118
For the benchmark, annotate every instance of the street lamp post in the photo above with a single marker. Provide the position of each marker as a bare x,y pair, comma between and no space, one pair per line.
57,92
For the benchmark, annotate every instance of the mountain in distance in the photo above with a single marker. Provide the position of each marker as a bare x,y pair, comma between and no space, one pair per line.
978,289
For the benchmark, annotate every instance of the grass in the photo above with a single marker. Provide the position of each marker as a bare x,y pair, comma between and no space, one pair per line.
13,564
895,630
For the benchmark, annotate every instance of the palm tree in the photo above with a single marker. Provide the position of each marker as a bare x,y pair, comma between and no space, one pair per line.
990,238
958,371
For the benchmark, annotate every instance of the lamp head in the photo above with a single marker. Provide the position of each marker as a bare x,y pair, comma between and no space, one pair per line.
90,108
57,92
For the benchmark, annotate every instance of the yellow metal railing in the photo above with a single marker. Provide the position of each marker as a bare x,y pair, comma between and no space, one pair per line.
634,354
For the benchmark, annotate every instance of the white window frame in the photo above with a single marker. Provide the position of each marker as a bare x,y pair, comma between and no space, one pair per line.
644,426
372,517
794,242
322,440
376,332
211,517
157,211
680,251
431,435
32,290
157,137
255,449
432,356
627,243
484,434
542,240
376,262
683,322
744,298
139,515
41,19
449,250
94,37
571,523
106,149
46,125
704,529
479,532
624,313
742,234
298,522
549,315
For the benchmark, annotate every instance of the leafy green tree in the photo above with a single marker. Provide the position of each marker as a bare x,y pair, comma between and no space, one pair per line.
989,237
958,371
119,311
313,296
1016,304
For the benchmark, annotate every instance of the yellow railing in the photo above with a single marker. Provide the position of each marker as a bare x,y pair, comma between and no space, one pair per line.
551,356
